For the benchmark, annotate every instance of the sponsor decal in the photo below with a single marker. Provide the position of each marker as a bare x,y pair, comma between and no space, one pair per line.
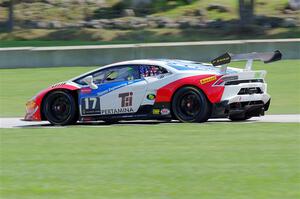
208,79
223,59
117,111
151,97
164,111
126,99
104,92
86,90
155,111
112,89
58,84
90,105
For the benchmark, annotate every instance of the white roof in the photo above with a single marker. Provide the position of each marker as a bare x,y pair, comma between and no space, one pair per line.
172,65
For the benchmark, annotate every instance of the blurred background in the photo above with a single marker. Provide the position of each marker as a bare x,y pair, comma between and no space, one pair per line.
77,22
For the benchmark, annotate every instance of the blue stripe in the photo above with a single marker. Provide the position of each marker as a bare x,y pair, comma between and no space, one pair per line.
105,88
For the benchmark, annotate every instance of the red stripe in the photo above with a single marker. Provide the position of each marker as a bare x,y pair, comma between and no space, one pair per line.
214,94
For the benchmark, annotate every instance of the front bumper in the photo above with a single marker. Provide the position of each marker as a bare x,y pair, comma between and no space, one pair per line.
32,111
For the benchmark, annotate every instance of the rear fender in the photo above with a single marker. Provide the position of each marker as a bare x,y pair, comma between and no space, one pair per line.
203,82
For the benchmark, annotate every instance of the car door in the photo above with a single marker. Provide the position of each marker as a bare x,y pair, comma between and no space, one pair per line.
121,90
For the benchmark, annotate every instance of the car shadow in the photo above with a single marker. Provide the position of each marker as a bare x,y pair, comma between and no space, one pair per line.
129,123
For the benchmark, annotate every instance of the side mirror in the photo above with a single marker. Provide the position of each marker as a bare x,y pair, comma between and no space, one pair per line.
90,82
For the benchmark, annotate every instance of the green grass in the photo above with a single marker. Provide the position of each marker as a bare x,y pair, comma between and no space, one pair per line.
233,160
19,85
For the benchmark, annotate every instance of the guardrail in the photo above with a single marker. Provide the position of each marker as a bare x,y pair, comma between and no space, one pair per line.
105,54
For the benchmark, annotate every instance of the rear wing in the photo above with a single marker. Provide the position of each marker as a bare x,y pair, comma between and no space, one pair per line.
226,58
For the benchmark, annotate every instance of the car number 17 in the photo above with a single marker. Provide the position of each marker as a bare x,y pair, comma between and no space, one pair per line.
88,101
90,105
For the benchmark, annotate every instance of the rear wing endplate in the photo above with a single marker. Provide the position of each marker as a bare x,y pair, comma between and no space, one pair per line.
226,58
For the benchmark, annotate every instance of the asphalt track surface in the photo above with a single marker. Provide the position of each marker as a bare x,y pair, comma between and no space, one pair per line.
19,123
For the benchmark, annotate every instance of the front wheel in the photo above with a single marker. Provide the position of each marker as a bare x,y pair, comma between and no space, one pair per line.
191,105
60,108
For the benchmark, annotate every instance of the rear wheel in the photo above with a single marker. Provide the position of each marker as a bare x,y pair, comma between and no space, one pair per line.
191,105
60,108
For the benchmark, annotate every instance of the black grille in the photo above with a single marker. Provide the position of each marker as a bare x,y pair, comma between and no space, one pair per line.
236,82
238,105
249,91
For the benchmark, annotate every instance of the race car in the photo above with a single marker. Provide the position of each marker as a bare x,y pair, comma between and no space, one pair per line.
160,89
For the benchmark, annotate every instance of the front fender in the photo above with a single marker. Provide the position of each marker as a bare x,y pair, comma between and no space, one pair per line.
34,106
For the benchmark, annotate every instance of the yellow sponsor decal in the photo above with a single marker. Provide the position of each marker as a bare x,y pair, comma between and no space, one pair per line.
156,111
208,79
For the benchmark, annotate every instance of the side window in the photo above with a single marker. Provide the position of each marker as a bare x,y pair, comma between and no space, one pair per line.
98,78
149,70
122,73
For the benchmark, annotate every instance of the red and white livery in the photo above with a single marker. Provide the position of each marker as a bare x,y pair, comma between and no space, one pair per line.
158,89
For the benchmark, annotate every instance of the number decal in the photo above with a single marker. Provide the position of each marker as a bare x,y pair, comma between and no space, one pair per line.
90,105
94,100
86,103
88,100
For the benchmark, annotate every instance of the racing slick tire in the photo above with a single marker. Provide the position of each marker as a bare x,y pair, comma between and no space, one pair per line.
190,104
60,108
237,118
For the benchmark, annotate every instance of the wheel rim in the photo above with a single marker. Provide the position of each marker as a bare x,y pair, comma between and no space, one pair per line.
189,105
60,108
